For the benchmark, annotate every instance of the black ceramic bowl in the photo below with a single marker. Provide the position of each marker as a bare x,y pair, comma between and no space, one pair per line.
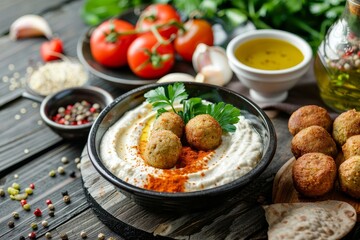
50,105
184,201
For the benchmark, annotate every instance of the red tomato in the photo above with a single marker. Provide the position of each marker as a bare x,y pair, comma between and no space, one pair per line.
51,50
148,58
156,14
196,31
108,47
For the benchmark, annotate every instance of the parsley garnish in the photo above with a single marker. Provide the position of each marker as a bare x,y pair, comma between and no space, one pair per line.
226,114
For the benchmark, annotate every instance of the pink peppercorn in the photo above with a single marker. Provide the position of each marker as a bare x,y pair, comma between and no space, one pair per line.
37,212
23,202
32,235
48,201
32,186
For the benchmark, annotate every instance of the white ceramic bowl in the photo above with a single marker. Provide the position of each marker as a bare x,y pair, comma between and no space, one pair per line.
269,85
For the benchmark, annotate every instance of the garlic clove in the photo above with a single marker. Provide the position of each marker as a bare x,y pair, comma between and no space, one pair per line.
30,26
176,77
213,64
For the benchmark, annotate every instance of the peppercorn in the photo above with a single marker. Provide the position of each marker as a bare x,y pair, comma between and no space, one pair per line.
77,160
63,236
66,199
34,226
83,235
15,215
32,186
72,174
21,238
45,223
26,207
48,235
32,235
48,202
16,176
65,193
13,191
64,160
29,191
101,236
2,192
37,212
51,206
61,170
16,186
52,173
111,238
23,202
51,213
11,224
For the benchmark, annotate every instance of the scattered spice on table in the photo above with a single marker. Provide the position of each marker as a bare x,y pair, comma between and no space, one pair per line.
45,223
72,174
61,170
77,160
63,236
32,235
21,238
64,160
48,235
16,176
66,199
64,193
11,224
29,191
48,202
15,215
52,173
38,212
23,202
32,186
13,191
34,226
2,192
51,206
101,236
83,235
16,186
26,207
51,213
77,114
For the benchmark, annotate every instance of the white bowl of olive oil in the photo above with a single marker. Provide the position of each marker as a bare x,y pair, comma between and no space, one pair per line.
269,62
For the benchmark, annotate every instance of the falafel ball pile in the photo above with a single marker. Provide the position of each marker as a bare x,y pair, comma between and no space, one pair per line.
163,150
312,142
203,132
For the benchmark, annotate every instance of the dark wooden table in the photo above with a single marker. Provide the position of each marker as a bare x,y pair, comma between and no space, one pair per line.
29,149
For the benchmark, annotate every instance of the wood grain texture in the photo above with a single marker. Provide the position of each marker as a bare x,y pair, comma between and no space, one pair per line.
284,191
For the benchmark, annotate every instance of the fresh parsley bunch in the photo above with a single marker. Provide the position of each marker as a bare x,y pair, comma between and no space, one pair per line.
226,114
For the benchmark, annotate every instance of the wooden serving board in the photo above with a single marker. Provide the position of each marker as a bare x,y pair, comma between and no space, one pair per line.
284,191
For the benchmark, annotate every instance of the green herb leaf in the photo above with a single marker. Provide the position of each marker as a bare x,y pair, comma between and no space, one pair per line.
191,108
160,99
226,114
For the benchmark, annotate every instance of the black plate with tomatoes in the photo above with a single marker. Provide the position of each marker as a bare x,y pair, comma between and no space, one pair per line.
124,76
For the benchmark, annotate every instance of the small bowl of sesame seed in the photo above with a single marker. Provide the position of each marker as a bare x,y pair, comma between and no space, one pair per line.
71,112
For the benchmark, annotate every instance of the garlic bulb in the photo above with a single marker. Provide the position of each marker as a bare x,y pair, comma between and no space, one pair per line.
176,77
212,65
30,26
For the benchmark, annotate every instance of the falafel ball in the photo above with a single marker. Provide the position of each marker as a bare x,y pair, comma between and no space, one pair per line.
170,121
203,132
351,147
347,124
313,139
163,149
349,176
314,174
307,116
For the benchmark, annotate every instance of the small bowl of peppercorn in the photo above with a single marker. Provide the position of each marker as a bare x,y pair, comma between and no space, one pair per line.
71,112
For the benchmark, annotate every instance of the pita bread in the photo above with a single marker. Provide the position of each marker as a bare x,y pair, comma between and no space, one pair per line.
316,220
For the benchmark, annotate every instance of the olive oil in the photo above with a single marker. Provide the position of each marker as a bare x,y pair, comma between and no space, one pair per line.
269,54
339,89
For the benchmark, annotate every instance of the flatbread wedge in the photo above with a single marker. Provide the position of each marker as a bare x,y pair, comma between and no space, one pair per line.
316,220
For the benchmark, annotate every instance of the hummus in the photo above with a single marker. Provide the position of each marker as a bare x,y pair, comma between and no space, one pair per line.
122,144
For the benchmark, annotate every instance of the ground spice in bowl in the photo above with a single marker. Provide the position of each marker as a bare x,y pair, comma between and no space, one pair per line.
55,76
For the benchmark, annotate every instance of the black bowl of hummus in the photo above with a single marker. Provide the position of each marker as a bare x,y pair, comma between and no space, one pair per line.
201,178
